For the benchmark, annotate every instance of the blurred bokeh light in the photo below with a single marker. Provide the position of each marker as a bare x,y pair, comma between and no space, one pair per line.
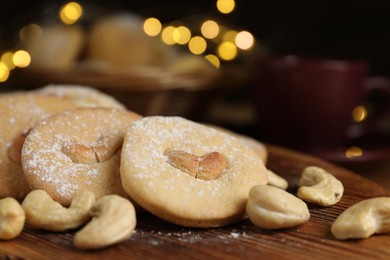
227,51
359,114
244,40
70,13
21,59
181,35
210,29
197,45
226,6
152,26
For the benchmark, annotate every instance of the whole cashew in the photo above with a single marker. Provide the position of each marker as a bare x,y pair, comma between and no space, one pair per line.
363,219
276,181
103,149
113,221
270,207
45,213
319,187
11,218
207,167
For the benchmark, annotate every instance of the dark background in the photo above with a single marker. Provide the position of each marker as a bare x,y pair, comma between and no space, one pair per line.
332,28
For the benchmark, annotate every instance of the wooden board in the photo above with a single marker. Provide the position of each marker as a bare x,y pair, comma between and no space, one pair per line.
155,238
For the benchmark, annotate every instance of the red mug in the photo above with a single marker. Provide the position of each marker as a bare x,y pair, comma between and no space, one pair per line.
306,103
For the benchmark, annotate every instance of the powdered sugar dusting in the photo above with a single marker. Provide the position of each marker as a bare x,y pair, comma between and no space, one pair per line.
148,171
46,162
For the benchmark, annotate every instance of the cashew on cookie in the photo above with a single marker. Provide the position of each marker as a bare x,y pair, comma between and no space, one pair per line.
188,173
19,112
77,150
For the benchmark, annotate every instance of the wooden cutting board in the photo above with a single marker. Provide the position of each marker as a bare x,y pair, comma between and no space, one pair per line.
155,238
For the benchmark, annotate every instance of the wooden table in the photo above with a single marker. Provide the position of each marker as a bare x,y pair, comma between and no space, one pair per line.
157,239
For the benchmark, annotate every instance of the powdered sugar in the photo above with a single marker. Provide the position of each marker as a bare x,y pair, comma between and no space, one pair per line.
46,163
146,170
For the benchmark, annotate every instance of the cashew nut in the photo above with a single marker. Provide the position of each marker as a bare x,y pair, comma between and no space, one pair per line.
270,207
45,213
368,217
102,150
11,218
276,181
319,187
113,221
207,167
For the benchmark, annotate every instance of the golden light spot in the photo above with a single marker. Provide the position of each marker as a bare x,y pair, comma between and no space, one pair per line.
152,26
30,32
359,114
70,13
230,36
226,6
244,40
21,59
182,35
213,60
209,29
353,152
7,60
227,51
167,35
197,45
4,72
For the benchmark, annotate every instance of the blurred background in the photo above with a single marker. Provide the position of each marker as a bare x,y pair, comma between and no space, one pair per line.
194,58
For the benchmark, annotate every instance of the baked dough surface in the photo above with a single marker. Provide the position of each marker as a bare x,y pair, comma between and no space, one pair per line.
19,112
174,195
47,167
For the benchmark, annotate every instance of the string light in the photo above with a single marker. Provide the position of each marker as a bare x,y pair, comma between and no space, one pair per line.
209,29
227,43
7,60
152,26
229,36
244,40
227,51
70,13
21,59
213,60
4,72
197,45
226,6
181,35
167,35
359,114
353,152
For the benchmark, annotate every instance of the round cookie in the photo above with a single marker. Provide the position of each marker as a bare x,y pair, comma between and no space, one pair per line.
84,96
77,150
187,173
20,111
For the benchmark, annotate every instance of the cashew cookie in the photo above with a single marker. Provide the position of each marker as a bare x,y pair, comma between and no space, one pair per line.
19,112
187,173
77,150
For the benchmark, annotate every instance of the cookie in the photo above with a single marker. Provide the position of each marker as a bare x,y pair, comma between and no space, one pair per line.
77,150
83,95
119,40
56,47
20,111
187,173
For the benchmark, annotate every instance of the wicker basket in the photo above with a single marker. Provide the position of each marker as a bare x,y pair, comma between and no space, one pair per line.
145,90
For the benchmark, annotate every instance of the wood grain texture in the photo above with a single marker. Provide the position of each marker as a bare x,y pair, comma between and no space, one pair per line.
156,239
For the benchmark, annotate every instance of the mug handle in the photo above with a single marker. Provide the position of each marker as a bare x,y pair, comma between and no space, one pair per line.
372,116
